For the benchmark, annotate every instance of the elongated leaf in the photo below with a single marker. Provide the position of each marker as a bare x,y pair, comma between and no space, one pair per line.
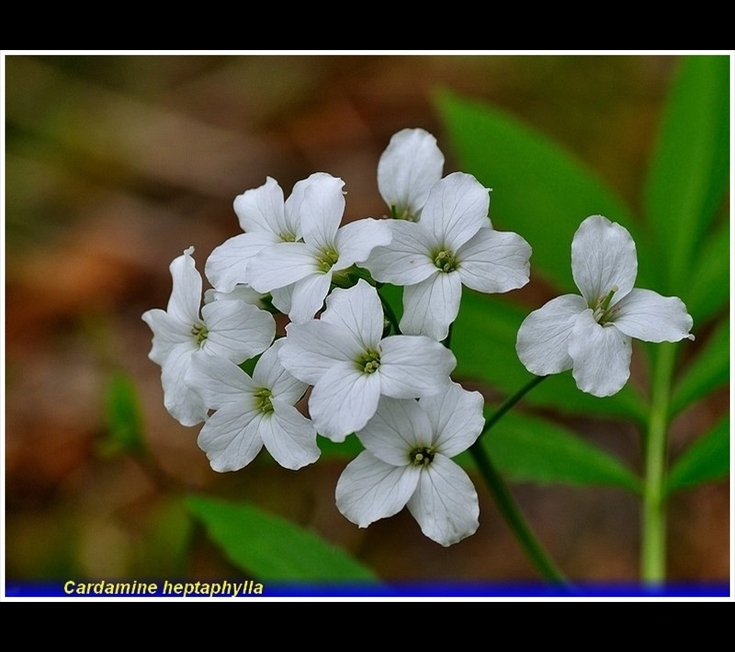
708,289
271,548
709,370
532,449
484,339
122,413
706,460
539,190
689,173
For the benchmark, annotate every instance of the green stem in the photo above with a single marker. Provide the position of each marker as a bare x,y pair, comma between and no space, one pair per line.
653,544
389,314
504,499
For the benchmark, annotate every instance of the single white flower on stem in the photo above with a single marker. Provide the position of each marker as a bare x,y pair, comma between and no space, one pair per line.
306,268
408,168
452,245
252,413
407,463
266,220
349,363
591,334
229,329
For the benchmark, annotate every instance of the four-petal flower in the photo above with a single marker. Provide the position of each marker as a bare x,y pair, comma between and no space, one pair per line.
407,462
344,355
591,334
452,244
229,329
252,413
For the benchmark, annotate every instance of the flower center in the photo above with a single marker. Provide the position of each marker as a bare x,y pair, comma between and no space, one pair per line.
287,237
602,311
200,332
369,362
326,260
445,261
422,456
263,400
400,213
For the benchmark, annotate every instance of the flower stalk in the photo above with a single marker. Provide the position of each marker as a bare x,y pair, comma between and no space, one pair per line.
504,499
653,545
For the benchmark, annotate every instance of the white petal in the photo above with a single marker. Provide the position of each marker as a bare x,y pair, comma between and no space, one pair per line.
186,295
240,292
270,373
307,296
398,427
343,400
237,330
412,366
227,264
603,257
648,316
167,334
183,403
261,209
281,298
455,210
601,356
356,311
356,240
220,382
280,265
369,489
430,307
543,338
494,261
445,502
407,259
313,348
289,436
231,437
408,168
456,418
321,209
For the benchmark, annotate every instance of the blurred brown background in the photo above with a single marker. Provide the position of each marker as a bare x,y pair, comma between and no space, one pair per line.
116,164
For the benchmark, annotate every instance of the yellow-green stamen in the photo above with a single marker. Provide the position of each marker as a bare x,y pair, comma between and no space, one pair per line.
445,261
422,456
603,312
200,332
369,362
327,259
263,400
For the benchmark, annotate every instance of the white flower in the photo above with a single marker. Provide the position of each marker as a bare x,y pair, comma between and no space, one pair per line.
453,244
306,268
591,334
252,412
266,220
228,329
407,462
345,357
408,168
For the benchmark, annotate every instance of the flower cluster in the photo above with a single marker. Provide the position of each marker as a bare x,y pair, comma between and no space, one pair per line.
387,381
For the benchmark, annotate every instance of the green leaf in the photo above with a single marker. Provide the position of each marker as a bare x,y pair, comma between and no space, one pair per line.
484,339
532,449
706,460
689,173
350,448
123,416
271,548
539,190
709,370
708,290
